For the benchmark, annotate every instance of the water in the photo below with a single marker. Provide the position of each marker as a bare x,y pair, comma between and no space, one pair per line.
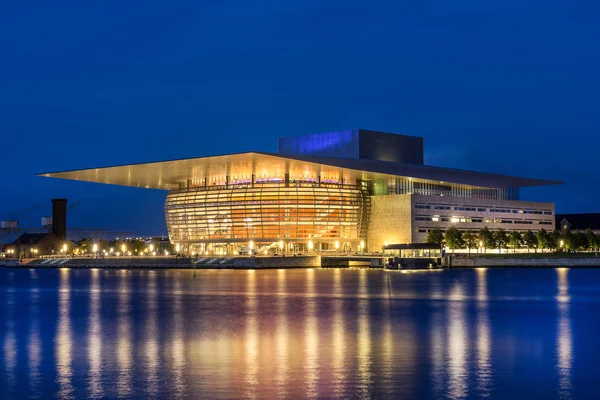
300,334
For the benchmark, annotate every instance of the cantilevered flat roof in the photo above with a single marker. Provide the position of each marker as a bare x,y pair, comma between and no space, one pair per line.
168,175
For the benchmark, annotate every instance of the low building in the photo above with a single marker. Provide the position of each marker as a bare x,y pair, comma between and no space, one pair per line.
579,222
353,190
32,245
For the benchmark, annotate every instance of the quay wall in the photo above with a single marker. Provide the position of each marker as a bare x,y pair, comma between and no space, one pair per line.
527,262
170,262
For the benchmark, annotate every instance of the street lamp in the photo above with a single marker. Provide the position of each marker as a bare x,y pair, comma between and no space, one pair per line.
95,247
65,248
123,248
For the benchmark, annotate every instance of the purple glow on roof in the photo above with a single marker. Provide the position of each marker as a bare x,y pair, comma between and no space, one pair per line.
331,144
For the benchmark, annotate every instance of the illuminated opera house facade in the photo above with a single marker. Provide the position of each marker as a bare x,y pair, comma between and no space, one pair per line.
349,190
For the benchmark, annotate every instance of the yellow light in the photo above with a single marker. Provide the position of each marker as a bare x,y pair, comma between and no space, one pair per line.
177,247
65,247
251,245
561,243
362,244
265,252
123,248
385,243
310,245
481,243
454,219
151,247
281,244
95,247
166,253
337,245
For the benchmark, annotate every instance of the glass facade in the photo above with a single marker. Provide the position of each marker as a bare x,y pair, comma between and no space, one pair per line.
428,188
271,212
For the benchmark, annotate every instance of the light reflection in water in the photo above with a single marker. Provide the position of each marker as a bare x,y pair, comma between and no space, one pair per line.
364,338
484,367
34,345
177,343
95,338
124,350
338,337
64,356
282,334
564,339
311,338
437,352
151,346
251,337
10,341
457,344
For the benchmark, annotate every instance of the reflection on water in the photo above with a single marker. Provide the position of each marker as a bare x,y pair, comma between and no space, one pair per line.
64,338
564,341
282,337
457,344
10,341
251,338
338,339
364,338
322,333
177,341
95,338
311,338
483,336
124,345
151,342
34,345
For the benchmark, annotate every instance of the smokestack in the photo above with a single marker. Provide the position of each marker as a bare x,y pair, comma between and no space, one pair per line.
59,219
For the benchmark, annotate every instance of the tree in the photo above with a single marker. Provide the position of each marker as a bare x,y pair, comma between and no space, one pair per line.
579,241
486,237
592,239
453,238
530,240
557,239
435,236
470,240
544,239
515,240
501,239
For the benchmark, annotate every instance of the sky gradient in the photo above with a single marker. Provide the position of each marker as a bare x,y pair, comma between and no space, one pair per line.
508,87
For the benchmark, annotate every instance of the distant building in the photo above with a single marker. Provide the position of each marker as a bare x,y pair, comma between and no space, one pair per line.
354,190
578,222
32,245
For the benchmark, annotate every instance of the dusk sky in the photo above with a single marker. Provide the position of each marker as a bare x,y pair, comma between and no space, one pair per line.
507,86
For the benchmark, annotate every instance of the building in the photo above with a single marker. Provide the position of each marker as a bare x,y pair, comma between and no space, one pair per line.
579,222
352,190
35,244
32,245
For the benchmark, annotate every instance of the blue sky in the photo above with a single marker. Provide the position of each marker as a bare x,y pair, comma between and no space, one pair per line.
500,86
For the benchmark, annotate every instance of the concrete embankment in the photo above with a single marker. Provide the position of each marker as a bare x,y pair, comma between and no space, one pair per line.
171,262
527,262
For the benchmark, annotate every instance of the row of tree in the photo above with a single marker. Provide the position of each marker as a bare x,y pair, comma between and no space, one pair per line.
500,239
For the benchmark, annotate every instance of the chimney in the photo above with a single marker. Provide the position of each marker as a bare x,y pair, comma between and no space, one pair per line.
59,218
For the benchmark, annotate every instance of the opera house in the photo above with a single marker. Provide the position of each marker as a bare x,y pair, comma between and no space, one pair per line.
349,190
